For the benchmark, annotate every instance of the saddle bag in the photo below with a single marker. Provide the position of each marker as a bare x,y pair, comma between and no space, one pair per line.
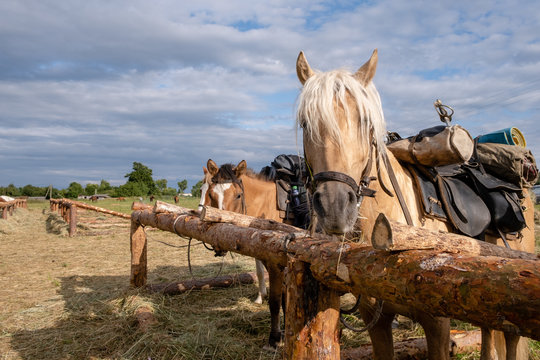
437,146
502,199
465,209
512,163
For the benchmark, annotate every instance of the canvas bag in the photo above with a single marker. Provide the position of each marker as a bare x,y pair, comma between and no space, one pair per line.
437,146
512,163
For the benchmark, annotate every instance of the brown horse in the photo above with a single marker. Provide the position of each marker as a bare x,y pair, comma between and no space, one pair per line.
343,132
205,200
238,189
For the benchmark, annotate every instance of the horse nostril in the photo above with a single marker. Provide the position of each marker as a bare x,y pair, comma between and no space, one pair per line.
352,196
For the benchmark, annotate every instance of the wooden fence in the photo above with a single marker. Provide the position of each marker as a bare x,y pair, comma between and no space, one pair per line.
475,285
68,210
8,207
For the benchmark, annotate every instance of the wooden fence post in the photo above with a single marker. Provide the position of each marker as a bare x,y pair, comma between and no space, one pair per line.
138,254
72,219
311,316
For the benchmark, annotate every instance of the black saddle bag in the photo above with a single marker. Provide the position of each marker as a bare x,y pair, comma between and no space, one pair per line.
465,209
502,199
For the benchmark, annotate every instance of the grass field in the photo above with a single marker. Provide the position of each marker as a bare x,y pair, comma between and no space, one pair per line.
69,298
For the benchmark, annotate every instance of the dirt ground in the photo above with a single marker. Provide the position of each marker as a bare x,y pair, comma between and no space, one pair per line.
69,298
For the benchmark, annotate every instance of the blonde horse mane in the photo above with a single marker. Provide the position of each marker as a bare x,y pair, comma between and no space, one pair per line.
316,112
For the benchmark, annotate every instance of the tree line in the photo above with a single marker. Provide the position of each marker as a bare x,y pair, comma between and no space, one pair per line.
139,183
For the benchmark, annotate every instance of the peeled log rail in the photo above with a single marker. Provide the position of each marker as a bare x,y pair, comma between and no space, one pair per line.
494,292
91,207
7,207
392,236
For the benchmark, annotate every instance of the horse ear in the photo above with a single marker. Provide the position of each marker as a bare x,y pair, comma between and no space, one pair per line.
303,70
240,169
204,170
212,167
366,73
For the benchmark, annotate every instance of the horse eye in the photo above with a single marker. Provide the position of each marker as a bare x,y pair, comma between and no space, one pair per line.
238,196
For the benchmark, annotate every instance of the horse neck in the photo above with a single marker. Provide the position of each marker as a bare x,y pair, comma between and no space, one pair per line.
260,196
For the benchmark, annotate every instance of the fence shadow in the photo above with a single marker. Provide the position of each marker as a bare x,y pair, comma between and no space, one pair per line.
98,319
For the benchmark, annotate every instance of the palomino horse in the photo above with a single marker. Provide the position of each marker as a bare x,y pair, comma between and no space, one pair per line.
343,133
205,200
238,189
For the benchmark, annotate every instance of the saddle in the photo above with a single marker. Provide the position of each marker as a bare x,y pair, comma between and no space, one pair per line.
470,198
289,173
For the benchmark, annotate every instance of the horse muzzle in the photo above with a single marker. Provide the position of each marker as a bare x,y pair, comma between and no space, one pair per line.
335,203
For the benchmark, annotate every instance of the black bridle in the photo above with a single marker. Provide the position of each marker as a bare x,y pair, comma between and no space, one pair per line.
361,188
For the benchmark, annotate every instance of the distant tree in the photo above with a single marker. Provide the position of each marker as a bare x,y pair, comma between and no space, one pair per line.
31,190
91,189
130,189
161,185
182,186
74,190
196,189
143,175
11,190
169,192
104,186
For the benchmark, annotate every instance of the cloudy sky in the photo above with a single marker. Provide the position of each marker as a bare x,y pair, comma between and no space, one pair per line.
89,87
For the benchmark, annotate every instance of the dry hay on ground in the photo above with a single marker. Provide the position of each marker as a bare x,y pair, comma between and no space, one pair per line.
69,298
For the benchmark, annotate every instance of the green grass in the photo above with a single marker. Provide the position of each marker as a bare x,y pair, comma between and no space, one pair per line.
125,205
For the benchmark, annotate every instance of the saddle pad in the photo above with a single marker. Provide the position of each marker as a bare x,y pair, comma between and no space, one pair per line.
428,193
465,209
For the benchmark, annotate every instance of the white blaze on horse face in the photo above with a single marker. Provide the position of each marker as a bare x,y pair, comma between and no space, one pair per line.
219,190
204,189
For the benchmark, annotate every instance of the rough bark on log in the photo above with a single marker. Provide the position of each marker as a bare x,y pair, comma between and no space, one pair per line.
417,348
393,236
223,281
163,207
138,243
212,214
498,293
140,206
311,317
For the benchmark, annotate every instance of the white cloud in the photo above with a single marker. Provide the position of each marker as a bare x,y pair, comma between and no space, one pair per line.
86,88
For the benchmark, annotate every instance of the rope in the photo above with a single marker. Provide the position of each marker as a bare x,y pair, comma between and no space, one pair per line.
371,324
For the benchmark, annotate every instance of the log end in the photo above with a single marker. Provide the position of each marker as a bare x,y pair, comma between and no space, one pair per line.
381,237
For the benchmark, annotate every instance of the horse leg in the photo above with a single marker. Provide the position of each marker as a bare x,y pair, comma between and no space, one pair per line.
260,278
275,276
511,341
437,330
487,349
381,332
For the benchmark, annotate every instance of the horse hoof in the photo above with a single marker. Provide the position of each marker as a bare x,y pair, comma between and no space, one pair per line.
258,300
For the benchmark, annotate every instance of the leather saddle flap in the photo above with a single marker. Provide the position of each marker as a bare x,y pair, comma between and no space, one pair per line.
465,209
428,194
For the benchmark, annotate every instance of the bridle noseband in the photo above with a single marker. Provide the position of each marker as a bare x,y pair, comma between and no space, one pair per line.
361,189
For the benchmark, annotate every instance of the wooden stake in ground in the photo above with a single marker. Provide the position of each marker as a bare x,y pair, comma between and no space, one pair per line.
311,317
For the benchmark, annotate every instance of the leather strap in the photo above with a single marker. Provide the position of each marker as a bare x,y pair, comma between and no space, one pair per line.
335,176
397,189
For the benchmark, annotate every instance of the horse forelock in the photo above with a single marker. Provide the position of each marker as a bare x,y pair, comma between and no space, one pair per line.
227,174
316,113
